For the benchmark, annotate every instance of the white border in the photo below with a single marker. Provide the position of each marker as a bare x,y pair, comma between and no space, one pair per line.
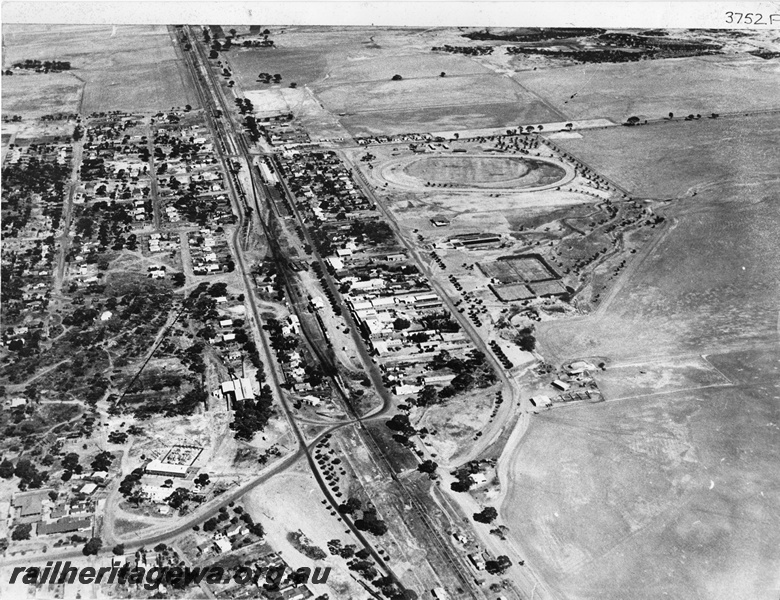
635,14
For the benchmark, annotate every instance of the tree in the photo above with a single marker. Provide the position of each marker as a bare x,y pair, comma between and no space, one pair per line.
427,466
632,121
498,566
21,532
119,550
671,115
401,323
442,74
488,515
569,126
529,128
427,396
6,469
525,339
92,547
350,506
397,77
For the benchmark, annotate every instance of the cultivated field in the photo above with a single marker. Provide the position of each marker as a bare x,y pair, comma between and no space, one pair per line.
132,68
651,89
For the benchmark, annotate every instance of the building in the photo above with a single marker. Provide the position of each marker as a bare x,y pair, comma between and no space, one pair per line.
478,478
157,467
29,506
541,401
64,525
561,385
237,390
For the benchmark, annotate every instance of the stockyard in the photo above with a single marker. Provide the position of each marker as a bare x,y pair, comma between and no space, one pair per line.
453,312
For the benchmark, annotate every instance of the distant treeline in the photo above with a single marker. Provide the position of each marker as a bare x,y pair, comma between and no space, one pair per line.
43,66
537,35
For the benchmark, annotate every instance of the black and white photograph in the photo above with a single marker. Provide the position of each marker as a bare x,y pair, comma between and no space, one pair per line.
390,300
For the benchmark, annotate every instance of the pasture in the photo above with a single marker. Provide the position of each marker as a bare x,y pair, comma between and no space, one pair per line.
651,89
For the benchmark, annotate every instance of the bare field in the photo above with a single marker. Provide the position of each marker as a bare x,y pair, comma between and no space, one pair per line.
488,115
37,94
672,491
713,280
662,377
125,67
409,66
651,89
387,95
671,496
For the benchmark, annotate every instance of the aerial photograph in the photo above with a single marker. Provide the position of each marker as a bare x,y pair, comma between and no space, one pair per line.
390,312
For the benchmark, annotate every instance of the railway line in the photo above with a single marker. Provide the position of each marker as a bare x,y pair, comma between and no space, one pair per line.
457,565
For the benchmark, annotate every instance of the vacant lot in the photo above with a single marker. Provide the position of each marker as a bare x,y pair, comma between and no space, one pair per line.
125,67
652,89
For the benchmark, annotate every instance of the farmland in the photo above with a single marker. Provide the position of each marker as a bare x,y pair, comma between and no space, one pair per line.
652,89
124,67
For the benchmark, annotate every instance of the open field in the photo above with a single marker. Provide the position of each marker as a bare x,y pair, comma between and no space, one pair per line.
126,67
671,492
37,94
651,89
662,377
667,496
489,115
713,280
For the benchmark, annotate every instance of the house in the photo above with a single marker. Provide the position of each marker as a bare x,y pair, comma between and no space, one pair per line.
477,561
29,505
223,545
64,525
478,478
88,488
312,400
